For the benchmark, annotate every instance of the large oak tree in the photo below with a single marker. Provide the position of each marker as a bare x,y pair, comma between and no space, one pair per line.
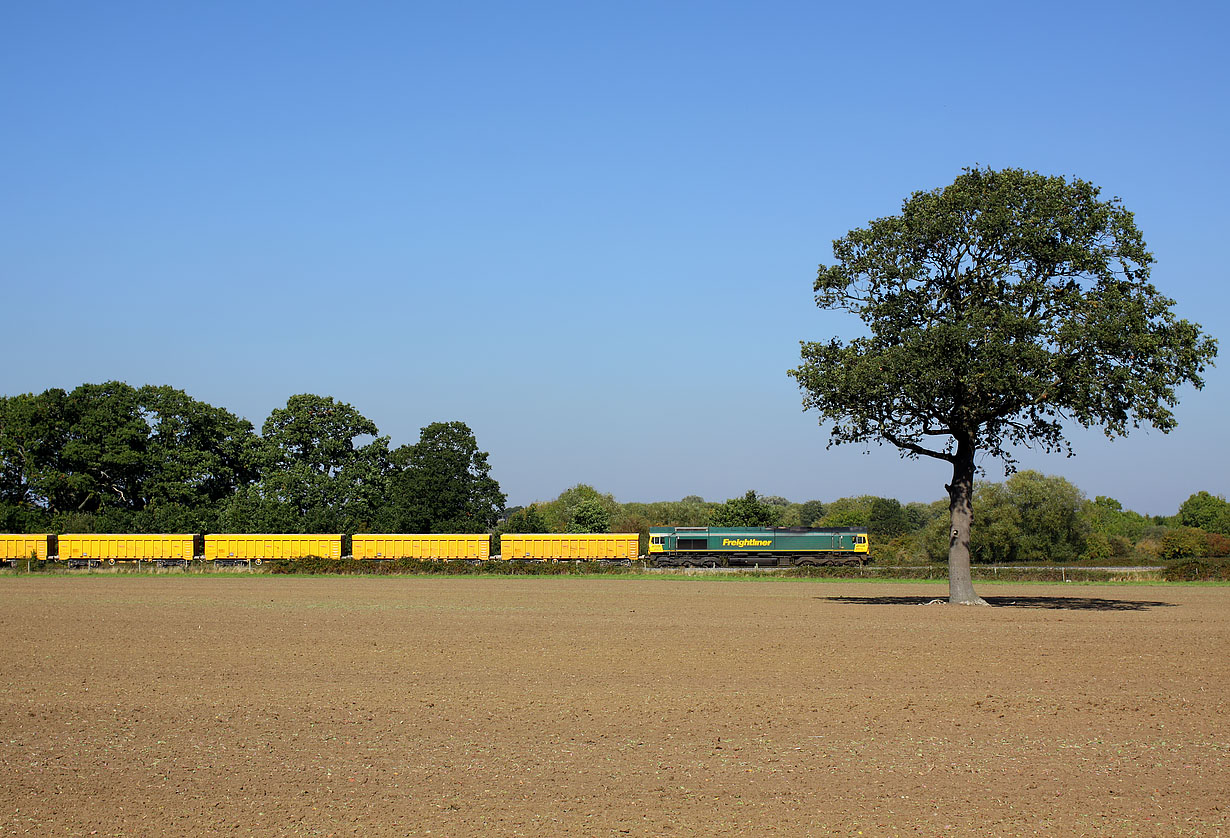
147,457
442,484
997,309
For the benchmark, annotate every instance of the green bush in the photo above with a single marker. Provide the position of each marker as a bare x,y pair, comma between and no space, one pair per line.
1183,543
1217,546
1097,546
1198,570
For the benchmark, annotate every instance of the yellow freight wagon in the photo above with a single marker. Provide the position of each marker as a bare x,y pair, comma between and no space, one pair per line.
467,547
15,548
570,547
93,549
261,548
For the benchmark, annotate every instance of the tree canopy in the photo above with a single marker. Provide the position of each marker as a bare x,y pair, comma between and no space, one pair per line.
525,520
996,310
143,457
590,516
319,472
747,511
1210,513
561,513
443,484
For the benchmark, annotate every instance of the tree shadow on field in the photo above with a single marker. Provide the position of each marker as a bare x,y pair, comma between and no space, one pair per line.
1063,603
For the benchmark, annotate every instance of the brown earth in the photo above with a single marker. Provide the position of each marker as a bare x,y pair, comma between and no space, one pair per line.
605,706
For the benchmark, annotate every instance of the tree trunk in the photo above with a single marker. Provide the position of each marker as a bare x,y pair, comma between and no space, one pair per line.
961,506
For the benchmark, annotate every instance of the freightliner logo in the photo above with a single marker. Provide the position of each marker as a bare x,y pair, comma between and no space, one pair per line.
745,542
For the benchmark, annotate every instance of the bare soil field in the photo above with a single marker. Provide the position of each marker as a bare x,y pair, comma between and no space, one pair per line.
287,706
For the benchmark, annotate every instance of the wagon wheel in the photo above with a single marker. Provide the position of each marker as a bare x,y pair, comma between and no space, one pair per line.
259,562
110,561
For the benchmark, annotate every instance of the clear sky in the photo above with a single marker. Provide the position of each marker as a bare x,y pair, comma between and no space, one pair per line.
588,230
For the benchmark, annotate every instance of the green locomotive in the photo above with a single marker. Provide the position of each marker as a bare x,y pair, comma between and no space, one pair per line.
763,546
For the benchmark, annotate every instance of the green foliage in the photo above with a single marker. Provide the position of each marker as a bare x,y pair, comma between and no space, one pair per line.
994,310
1030,518
919,515
995,307
1195,570
1098,547
1108,517
145,458
848,512
590,515
561,512
692,511
810,512
1210,513
1183,543
15,517
443,484
114,458
1217,545
886,519
527,519
317,433
747,511
320,472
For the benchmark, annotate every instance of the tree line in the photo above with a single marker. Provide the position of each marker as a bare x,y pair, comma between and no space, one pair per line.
115,458
1030,518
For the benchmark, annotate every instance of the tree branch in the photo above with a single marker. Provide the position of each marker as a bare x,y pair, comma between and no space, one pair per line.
917,449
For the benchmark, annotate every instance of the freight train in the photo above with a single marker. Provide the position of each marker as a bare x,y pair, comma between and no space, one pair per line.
668,547
182,550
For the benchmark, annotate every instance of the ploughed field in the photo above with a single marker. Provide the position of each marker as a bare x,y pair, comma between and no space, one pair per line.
603,706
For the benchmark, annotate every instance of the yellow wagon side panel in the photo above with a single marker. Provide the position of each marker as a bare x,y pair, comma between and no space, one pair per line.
107,547
14,547
569,546
468,547
271,546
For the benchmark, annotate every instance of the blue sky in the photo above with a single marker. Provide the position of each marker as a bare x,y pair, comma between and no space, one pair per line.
587,230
